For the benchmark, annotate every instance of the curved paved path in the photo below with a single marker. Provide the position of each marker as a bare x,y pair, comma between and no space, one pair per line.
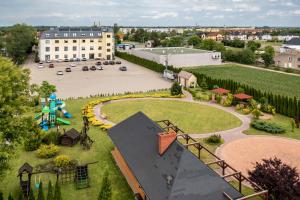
227,135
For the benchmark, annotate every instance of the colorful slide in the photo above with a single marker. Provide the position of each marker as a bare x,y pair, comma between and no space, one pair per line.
38,116
62,121
61,105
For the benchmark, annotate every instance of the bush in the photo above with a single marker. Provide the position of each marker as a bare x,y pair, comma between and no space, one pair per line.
176,89
267,126
52,137
214,139
32,143
228,100
62,161
47,151
268,109
281,180
218,98
246,111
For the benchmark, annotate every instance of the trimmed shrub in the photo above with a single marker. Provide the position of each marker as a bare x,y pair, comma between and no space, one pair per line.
176,89
62,161
214,139
50,191
246,111
228,100
47,151
32,143
267,126
52,137
105,192
41,192
57,192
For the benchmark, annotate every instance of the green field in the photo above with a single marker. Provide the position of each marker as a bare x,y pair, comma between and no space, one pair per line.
281,84
190,117
100,151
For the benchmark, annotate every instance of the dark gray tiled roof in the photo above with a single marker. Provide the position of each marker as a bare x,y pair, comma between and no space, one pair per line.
294,41
190,179
76,33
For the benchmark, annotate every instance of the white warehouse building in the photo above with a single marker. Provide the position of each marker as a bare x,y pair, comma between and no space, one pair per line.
178,56
76,43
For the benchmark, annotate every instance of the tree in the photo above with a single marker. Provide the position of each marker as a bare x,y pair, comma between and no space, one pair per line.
50,191
176,89
105,192
203,84
57,192
19,41
268,59
280,179
293,124
41,192
10,197
14,98
253,46
270,50
194,40
246,56
46,89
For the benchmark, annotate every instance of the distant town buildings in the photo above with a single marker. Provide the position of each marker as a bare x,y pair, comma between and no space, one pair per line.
76,43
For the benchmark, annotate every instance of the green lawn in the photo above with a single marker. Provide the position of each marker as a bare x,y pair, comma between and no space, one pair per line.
282,121
190,117
100,151
282,84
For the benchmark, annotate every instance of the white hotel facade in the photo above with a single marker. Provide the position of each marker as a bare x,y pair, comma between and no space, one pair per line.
82,42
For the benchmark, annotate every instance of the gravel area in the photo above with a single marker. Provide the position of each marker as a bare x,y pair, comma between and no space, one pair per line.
110,80
242,154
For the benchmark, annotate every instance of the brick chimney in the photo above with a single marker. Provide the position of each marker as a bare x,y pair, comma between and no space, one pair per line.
165,140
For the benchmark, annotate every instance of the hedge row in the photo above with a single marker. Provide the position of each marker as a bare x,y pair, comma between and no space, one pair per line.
154,66
284,105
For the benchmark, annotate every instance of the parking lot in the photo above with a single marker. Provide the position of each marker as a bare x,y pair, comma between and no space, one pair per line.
110,80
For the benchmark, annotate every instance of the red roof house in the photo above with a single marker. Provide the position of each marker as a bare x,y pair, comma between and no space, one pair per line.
220,91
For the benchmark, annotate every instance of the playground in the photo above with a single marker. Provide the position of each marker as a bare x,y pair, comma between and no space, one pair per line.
48,117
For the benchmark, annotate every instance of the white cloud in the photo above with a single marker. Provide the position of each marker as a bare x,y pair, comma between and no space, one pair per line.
159,15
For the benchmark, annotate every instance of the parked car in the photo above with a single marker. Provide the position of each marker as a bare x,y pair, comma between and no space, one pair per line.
59,60
71,59
40,62
85,68
105,63
51,65
118,62
93,68
111,62
59,73
77,59
83,59
98,63
40,66
169,74
123,68
73,65
68,69
48,61
99,67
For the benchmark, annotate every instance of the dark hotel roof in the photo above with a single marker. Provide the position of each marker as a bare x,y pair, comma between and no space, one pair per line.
75,32
176,175
293,41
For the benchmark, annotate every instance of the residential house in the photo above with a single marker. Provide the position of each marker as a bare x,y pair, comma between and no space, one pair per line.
187,79
214,36
288,58
267,37
294,43
158,167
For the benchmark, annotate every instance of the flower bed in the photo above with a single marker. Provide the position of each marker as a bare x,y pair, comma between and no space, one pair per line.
89,112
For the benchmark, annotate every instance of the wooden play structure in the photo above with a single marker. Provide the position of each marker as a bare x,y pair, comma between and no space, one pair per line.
226,172
25,184
70,137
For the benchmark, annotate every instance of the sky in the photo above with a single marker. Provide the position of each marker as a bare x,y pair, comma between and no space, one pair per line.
151,12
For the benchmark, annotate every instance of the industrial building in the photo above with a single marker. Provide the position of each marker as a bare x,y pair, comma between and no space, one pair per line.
178,56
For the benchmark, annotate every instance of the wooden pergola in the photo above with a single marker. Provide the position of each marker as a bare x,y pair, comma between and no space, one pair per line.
220,91
227,171
242,96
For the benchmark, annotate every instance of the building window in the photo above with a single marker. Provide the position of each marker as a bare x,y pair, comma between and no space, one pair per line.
91,41
83,41
56,48
74,55
47,35
74,34
74,41
108,50
290,59
66,56
99,55
74,48
91,48
83,55
299,59
65,48
82,34
47,49
91,34
56,56
65,34
108,44
56,41
47,41
99,48
83,48
99,34
108,36
66,41
99,40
